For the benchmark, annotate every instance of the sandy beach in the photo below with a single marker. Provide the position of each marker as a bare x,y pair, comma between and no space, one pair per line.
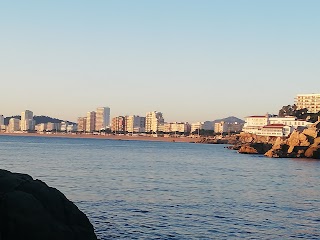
112,137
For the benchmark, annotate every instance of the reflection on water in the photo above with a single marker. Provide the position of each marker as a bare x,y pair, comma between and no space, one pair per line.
156,190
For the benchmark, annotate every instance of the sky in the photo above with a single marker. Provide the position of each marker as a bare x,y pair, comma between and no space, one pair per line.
191,60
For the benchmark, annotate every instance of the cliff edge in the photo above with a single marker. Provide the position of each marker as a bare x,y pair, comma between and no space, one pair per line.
29,209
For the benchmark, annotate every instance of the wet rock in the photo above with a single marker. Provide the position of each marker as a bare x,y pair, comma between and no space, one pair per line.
29,209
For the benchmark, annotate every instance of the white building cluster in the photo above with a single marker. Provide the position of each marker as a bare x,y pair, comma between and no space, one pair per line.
273,126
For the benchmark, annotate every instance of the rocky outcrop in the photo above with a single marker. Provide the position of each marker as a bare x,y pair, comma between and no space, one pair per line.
300,144
305,144
29,209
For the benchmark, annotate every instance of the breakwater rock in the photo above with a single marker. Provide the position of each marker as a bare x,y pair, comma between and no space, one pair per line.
29,209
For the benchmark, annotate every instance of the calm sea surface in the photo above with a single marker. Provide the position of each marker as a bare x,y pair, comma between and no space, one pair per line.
157,190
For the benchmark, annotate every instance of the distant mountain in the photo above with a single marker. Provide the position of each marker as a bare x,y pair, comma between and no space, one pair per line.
230,119
6,119
38,119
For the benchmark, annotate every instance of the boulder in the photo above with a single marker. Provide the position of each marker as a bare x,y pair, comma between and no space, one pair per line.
255,148
313,152
293,140
316,141
280,152
277,144
246,149
312,132
29,209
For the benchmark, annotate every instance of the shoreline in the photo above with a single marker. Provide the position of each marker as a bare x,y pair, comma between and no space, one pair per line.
107,137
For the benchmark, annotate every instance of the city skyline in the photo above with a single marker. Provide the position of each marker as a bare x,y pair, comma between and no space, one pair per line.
191,61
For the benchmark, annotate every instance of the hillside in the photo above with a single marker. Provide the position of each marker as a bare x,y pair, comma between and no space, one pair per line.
230,119
38,119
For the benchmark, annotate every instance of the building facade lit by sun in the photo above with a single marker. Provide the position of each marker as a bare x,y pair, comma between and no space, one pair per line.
309,101
27,123
153,121
102,118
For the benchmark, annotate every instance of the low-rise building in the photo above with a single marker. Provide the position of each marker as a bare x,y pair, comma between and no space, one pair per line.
275,130
42,127
72,127
53,126
180,127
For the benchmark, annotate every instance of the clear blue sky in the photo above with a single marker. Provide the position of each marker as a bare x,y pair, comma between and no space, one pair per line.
192,60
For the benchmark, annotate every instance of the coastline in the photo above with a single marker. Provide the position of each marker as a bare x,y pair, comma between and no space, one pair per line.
108,137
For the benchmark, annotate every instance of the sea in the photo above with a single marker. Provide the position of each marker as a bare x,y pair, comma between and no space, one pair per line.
171,190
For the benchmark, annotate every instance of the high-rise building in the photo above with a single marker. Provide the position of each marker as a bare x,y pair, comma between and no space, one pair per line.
82,124
118,124
91,121
153,120
102,118
1,120
309,101
14,125
135,124
27,123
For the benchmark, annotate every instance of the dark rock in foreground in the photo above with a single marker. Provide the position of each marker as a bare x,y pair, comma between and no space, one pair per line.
255,148
29,209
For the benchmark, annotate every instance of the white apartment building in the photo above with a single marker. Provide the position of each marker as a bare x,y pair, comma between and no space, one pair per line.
309,101
275,130
1,120
91,121
153,120
135,124
196,126
14,125
53,126
27,123
63,126
180,127
41,127
71,127
102,118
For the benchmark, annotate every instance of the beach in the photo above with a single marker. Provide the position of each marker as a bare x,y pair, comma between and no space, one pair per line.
108,136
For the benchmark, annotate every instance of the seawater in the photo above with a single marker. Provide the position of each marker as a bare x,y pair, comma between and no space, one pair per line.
159,190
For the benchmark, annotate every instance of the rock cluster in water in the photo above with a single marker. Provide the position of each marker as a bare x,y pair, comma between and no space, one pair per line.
300,144
29,209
